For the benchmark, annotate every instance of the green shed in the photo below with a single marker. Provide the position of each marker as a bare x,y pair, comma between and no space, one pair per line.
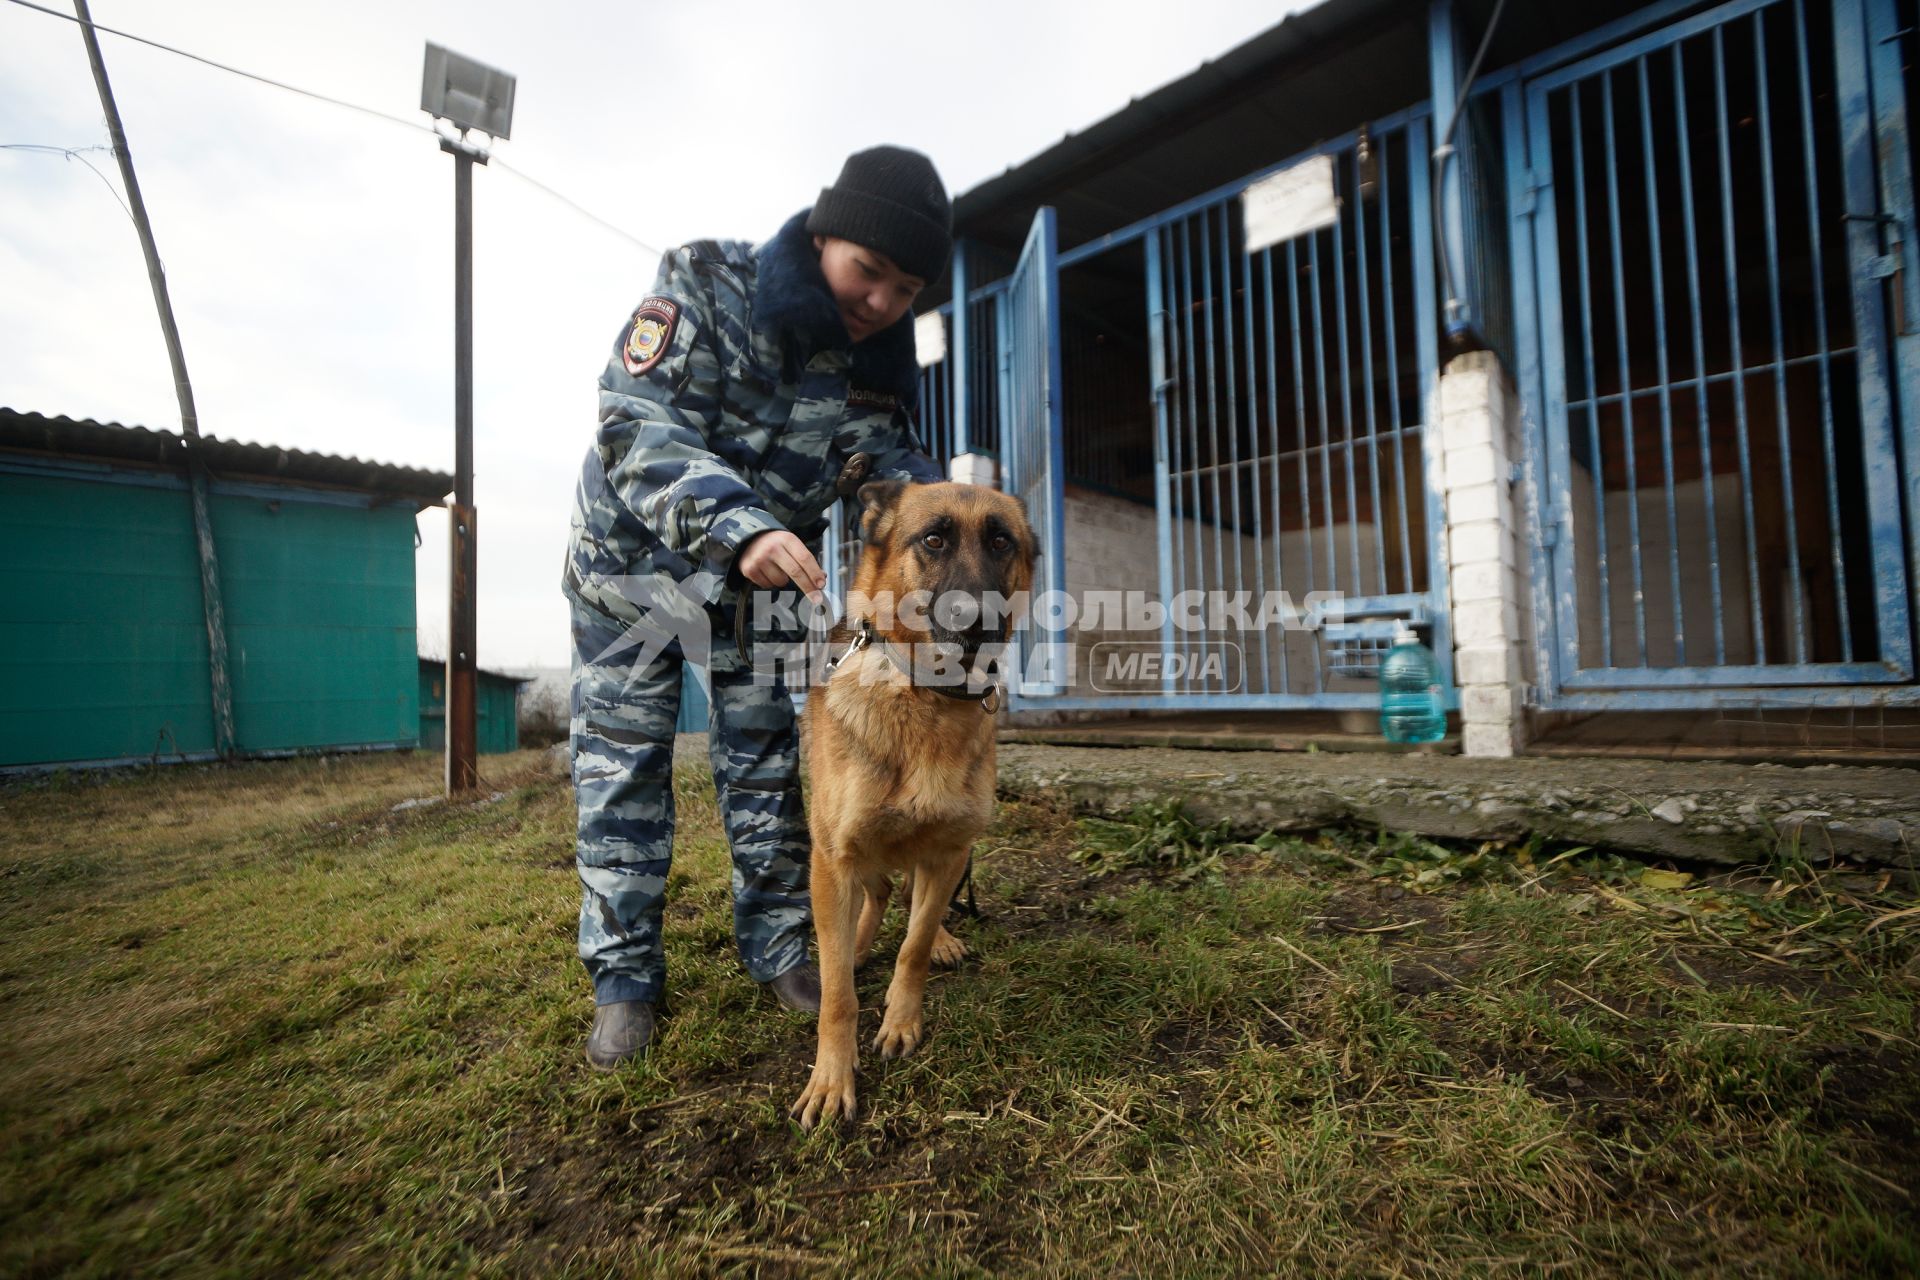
498,709
103,643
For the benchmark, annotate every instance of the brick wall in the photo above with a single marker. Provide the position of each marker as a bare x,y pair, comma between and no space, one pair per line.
1478,441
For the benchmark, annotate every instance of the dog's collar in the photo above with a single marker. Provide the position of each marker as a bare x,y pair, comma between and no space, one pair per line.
988,698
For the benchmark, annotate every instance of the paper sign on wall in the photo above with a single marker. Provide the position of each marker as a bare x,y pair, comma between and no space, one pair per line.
1290,203
930,338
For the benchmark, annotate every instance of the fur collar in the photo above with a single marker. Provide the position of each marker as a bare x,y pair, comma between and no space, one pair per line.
791,297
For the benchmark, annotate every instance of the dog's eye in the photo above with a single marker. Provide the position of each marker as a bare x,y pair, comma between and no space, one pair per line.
933,542
1001,542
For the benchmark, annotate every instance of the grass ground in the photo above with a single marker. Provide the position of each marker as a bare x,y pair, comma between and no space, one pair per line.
256,1020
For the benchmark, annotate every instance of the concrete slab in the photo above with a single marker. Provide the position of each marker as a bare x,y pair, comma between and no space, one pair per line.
1704,812
1729,814
1858,736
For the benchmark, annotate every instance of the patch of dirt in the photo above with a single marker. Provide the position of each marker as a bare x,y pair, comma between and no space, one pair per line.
648,1173
1872,1096
639,1174
1024,880
1183,1045
1726,968
640,1177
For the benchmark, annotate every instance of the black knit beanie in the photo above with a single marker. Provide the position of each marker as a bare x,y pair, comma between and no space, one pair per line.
890,200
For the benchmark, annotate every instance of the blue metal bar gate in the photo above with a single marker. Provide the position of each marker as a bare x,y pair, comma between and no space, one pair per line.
1284,418
1703,244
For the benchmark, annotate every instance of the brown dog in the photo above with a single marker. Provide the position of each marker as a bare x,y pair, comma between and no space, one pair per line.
902,760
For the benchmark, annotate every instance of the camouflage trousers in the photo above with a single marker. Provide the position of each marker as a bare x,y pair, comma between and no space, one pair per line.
624,707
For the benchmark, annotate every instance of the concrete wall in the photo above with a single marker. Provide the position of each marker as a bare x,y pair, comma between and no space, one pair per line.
1697,609
1113,545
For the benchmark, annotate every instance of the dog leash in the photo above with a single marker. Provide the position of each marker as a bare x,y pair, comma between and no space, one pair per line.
966,882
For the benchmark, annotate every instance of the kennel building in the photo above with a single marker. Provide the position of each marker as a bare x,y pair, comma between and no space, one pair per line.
1603,372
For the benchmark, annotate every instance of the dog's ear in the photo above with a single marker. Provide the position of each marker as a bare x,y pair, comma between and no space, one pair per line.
878,498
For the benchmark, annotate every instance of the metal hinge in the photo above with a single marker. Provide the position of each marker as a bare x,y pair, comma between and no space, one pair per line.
1889,267
1550,532
1537,181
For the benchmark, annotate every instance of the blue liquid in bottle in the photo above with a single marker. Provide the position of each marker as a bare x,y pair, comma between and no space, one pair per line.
1410,705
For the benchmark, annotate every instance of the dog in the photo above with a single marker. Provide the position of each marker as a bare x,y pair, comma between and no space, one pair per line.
901,758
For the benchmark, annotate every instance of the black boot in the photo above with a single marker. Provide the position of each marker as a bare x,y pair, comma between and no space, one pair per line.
621,1030
798,988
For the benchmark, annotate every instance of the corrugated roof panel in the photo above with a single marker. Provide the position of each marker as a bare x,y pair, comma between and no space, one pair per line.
227,459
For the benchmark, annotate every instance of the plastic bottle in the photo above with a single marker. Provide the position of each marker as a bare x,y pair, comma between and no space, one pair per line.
1411,709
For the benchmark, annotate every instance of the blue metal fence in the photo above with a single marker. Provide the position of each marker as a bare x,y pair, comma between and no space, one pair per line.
947,421
1709,358
934,422
1035,471
1283,417
1295,418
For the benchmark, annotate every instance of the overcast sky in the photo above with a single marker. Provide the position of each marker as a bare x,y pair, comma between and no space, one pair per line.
309,248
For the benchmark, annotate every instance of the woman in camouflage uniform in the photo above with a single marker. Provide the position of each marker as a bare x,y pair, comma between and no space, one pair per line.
737,392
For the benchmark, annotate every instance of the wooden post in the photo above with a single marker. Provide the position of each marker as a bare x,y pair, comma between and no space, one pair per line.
223,736
463,764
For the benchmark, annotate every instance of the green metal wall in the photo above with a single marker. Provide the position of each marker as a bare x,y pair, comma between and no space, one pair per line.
498,711
103,649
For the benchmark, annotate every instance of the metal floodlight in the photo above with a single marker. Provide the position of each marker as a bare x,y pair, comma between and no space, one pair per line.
468,95
472,95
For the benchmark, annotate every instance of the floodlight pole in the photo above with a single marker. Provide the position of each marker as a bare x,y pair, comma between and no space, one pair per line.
467,95
463,624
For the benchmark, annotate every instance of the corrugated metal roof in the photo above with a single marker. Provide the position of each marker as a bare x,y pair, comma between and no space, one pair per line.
226,459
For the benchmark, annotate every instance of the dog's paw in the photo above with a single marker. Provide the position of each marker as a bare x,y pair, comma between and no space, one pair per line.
828,1096
948,950
900,1034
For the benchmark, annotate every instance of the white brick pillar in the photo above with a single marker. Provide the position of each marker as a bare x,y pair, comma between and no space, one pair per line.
973,468
1479,423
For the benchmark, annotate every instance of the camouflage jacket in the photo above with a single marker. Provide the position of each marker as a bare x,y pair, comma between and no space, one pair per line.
730,404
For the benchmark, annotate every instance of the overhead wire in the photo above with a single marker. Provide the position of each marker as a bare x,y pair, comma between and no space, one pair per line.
375,112
228,68
73,153
570,202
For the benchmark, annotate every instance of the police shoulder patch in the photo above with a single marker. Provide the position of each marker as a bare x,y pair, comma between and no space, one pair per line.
650,334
